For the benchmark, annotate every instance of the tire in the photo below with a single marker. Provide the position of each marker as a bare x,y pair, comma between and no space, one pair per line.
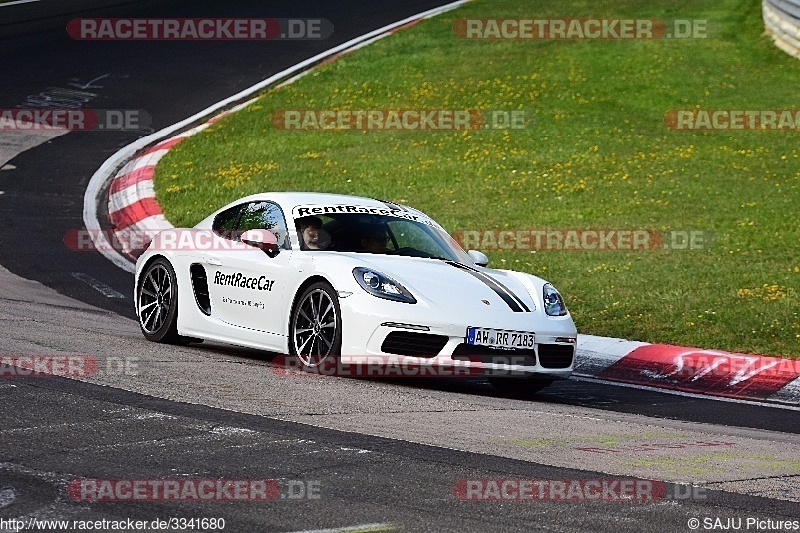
520,386
315,327
157,303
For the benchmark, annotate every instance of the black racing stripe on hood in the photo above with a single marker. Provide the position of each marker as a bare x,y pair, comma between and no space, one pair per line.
492,283
516,305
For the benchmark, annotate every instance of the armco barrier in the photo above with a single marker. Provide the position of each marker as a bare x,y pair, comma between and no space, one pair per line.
782,22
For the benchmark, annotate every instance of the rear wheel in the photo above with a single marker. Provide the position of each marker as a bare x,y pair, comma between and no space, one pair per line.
157,303
315,328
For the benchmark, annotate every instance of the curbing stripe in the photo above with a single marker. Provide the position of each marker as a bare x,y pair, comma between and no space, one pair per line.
166,145
693,370
133,214
704,371
123,199
126,180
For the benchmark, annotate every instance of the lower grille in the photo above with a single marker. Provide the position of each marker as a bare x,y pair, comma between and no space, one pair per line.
485,354
415,344
556,355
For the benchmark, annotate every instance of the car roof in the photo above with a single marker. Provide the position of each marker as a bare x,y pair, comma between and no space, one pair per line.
291,199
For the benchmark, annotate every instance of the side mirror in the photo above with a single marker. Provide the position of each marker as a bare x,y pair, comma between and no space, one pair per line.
263,239
479,258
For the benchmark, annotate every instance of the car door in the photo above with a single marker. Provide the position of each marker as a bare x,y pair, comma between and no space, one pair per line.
247,287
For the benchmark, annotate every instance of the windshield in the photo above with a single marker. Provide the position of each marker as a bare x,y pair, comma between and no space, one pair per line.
377,234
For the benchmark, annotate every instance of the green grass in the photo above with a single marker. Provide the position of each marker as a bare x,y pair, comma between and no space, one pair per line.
597,155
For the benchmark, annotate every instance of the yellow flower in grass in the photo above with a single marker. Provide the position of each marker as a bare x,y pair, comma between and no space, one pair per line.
237,174
177,188
766,292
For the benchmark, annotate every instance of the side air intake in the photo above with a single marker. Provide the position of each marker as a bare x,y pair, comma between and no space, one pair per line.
200,288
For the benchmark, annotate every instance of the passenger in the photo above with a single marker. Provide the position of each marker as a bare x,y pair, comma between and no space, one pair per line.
375,240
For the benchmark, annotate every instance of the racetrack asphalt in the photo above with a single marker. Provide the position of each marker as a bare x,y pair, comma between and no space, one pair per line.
387,452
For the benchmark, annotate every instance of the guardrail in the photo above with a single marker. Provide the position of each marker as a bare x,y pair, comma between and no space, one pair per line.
782,22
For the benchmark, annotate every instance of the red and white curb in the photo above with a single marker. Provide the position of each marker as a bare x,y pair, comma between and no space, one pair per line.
136,217
133,211
689,370
132,208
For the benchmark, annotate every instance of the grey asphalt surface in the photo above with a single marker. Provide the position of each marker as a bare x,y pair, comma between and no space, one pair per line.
385,452
96,432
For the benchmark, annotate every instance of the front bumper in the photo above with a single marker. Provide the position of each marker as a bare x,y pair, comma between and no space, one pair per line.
418,334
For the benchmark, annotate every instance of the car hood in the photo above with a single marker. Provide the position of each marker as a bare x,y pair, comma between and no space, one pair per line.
445,283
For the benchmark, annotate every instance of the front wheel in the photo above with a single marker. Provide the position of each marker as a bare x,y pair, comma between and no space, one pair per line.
157,303
315,328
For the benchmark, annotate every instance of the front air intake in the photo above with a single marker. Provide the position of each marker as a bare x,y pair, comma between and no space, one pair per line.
556,355
414,344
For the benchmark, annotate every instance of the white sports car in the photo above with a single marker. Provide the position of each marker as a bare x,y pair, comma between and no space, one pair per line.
330,277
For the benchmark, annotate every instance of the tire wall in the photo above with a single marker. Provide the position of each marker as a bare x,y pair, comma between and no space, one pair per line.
782,23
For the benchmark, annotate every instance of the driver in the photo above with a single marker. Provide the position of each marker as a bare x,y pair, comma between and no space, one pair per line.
312,236
374,240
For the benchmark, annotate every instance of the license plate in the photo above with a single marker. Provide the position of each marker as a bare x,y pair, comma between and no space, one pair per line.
498,338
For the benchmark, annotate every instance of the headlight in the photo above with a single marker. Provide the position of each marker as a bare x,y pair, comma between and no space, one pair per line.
553,303
382,286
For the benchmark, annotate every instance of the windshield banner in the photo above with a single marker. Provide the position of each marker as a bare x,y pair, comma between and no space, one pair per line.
311,210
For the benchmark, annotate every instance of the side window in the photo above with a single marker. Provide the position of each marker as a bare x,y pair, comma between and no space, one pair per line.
264,215
225,222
